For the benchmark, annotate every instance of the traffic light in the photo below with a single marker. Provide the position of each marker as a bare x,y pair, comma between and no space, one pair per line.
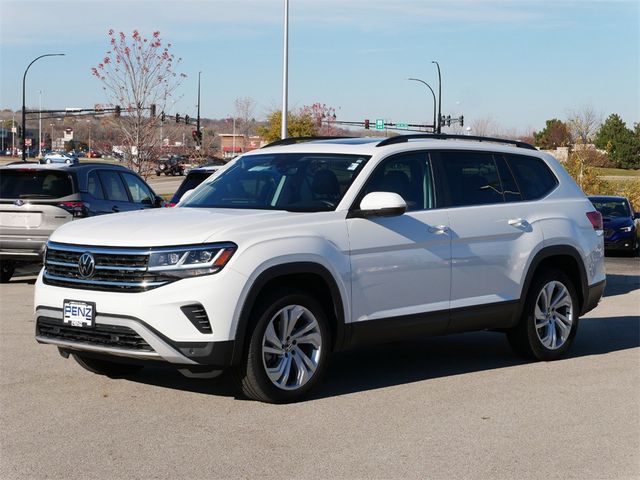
19,131
177,118
197,136
194,134
162,116
462,120
186,119
153,110
366,124
116,112
448,120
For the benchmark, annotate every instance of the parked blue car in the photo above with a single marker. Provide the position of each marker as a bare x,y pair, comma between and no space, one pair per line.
620,224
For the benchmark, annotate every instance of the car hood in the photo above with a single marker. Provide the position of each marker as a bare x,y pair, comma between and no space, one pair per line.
163,227
617,222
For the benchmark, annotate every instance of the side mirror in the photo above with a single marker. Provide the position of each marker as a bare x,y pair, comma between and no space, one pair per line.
158,202
186,195
382,204
636,215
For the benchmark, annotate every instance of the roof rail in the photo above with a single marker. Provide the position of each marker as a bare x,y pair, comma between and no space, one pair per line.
445,136
294,140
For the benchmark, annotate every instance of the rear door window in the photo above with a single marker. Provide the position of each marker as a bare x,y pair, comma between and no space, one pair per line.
114,188
138,190
534,177
32,183
93,186
471,178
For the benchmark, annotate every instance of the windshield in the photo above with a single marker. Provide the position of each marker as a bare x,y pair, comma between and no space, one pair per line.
612,208
26,183
302,182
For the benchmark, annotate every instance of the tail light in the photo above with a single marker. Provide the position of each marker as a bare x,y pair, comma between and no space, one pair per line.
77,209
169,204
596,219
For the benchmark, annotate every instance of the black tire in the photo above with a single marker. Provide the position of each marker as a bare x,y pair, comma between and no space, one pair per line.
525,337
7,269
105,367
251,376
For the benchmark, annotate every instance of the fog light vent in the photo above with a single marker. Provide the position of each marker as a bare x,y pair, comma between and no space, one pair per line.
198,316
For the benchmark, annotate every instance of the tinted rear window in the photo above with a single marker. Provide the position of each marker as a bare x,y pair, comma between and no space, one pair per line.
35,184
192,181
472,178
534,178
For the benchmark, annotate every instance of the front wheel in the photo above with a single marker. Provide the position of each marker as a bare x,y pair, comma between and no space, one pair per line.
288,349
549,319
105,367
7,269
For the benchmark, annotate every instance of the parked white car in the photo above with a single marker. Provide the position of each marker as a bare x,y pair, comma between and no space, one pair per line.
60,157
297,250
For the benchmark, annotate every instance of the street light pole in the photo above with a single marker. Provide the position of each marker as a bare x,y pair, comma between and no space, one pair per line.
24,110
439,98
285,72
434,99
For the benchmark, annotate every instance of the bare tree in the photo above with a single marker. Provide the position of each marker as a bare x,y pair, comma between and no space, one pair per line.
244,118
137,73
583,124
482,127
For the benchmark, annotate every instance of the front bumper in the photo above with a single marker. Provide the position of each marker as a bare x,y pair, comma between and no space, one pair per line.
618,243
128,337
155,319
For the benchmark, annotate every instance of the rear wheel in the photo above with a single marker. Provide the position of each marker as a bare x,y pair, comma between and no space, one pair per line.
288,349
105,367
549,319
7,269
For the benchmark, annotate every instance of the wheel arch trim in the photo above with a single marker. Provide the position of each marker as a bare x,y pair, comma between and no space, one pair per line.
283,271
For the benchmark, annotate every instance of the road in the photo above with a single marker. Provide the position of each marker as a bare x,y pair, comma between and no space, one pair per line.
461,406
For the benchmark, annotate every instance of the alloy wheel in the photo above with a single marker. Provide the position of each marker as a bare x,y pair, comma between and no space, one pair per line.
291,347
553,315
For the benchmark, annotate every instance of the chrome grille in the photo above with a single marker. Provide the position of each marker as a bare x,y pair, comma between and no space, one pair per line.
116,269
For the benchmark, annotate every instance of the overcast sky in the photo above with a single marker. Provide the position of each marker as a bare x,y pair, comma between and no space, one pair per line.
517,62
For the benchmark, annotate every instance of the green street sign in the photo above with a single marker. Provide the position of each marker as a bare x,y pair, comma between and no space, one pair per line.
401,125
379,124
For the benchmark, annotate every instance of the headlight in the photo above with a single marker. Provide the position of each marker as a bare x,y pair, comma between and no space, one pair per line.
190,261
627,229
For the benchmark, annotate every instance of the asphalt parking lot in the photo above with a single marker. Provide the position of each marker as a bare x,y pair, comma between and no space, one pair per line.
461,406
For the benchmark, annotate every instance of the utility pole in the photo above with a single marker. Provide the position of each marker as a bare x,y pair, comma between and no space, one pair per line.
40,124
285,72
198,119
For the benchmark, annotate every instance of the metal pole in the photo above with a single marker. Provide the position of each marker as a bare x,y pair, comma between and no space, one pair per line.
198,119
434,99
285,72
40,124
439,98
13,135
24,110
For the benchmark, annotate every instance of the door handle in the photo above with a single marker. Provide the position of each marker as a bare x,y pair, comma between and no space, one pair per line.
439,229
518,222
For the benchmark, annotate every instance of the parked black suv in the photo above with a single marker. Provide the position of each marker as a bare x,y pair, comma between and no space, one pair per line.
36,199
173,165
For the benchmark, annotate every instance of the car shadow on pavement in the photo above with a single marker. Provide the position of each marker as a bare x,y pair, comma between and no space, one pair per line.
621,284
400,363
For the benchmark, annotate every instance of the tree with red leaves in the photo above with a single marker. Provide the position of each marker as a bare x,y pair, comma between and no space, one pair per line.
137,73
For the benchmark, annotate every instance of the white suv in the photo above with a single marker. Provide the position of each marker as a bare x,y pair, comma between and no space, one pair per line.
304,248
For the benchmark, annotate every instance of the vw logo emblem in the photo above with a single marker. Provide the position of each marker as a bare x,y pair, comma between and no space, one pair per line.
86,265
18,203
